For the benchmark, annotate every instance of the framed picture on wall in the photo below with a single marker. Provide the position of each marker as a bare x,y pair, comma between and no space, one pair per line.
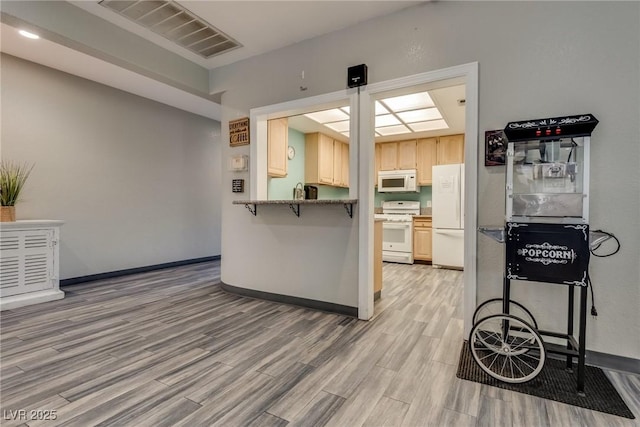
495,148
239,132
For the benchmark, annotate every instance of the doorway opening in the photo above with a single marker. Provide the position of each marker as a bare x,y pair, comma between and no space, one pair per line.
465,77
418,130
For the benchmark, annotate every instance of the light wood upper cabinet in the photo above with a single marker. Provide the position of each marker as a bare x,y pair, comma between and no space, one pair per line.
450,149
345,165
421,155
426,159
407,154
318,162
397,155
277,143
388,156
337,164
340,164
378,154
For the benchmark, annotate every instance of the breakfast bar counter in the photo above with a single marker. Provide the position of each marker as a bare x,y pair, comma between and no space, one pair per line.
252,205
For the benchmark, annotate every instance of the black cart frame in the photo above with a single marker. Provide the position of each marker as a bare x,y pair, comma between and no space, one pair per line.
552,253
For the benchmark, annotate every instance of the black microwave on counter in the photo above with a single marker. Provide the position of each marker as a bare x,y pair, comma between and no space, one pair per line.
310,192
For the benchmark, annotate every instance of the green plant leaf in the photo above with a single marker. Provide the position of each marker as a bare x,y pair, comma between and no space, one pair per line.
12,179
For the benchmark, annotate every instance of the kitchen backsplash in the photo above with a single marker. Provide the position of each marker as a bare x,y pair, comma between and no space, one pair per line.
423,197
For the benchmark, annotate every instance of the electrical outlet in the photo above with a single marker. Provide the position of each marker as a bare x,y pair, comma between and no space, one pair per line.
428,203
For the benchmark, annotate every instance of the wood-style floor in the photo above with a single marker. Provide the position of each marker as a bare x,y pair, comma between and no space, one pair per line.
171,348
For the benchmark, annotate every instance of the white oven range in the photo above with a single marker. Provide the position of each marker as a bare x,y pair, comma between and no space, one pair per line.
397,230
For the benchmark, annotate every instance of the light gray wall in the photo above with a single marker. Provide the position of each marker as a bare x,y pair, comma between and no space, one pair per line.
536,59
137,182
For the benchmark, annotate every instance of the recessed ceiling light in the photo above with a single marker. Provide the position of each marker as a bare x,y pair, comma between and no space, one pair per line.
386,120
392,130
409,102
28,35
420,115
338,126
326,116
430,125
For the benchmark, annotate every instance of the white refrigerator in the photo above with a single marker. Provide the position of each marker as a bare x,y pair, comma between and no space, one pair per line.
447,200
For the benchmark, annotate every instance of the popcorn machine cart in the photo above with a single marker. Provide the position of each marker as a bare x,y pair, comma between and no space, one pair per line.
547,240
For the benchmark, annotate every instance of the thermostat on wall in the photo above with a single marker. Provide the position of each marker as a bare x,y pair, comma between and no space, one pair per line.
238,163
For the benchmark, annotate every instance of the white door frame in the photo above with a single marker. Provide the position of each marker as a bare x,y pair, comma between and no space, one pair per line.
258,132
468,72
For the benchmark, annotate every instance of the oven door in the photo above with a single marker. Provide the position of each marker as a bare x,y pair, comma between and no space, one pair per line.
397,236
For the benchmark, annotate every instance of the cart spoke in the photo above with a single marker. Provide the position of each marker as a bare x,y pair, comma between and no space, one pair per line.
504,364
524,341
494,359
511,367
488,355
518,367
531,367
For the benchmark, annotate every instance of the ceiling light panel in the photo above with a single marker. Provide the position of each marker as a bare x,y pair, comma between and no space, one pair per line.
392,130
380,109
171,20
409,102
326,116
338,126
420,115
430,125
387,120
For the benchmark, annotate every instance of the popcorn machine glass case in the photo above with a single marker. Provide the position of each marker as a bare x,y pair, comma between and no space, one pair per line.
548,170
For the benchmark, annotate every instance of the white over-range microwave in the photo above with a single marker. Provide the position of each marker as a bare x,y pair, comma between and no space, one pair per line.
398,181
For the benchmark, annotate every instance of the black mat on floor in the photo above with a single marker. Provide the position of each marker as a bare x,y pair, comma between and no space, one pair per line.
554,383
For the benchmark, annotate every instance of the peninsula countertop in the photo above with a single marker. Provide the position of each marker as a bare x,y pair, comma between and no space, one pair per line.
297,202
252,205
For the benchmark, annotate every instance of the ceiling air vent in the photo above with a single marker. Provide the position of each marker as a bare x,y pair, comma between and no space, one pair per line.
176,23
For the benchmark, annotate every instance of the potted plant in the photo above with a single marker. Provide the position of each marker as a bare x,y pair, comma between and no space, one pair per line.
12,179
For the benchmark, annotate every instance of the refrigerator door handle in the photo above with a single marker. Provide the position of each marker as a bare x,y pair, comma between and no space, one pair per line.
458,200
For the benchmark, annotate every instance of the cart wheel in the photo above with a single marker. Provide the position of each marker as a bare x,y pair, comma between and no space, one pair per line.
507,348
494,306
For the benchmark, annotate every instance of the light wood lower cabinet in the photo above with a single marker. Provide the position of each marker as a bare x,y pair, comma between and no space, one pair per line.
422,239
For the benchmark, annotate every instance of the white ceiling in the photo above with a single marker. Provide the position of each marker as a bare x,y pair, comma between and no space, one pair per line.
71,61
260,26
